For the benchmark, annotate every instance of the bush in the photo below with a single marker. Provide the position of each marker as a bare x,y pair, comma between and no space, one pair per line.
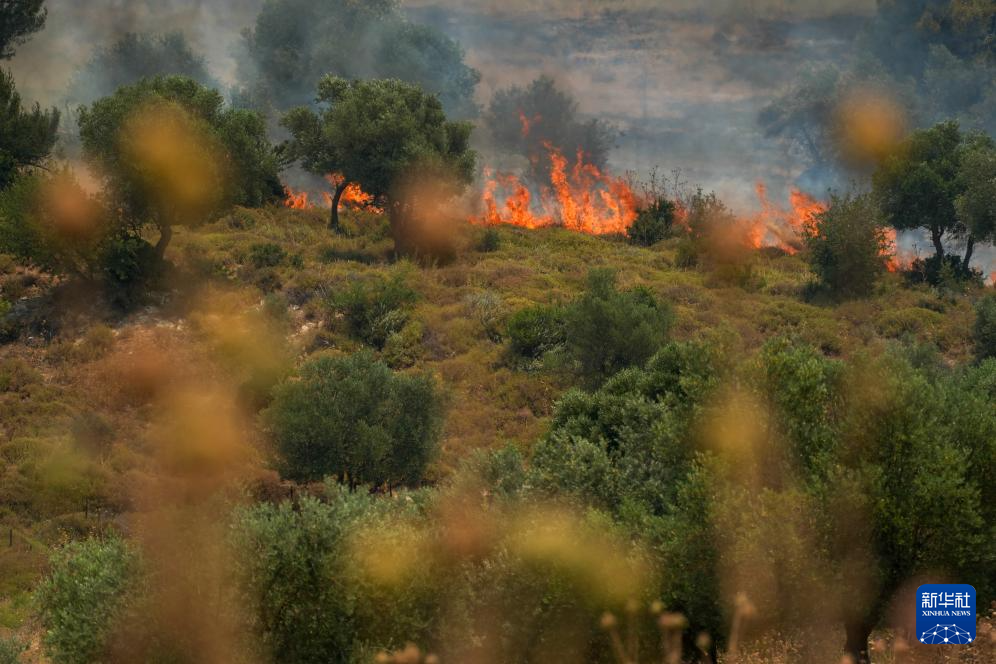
490,241
377,308
130,266
352,418
83,594
653,222
266,254
608,330
687,254
535,330
11,650
848,247
985,327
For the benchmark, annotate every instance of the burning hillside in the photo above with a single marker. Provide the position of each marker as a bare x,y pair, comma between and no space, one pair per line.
352,197
581,198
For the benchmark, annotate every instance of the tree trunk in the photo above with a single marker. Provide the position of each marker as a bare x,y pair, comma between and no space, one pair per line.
935,236
856,645
334,216
968,252
165,235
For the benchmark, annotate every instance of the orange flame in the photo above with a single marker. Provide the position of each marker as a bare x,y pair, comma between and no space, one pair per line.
527,123
581,199
352,197
296,200
783,228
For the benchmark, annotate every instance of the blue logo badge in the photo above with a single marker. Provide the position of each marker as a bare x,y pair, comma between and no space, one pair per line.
945,613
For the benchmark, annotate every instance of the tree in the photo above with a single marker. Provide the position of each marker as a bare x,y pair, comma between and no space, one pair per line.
26,136
848,249
976,205
18,20
918,186
133,57
294,43
82,597
391,138
653,223
352,418
984,329
525,120
171,154
608,330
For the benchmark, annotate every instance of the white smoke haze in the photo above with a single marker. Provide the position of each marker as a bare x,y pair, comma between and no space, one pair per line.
683,80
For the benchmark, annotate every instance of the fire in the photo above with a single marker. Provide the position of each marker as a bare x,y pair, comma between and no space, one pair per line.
580,198
774,226
296,200
527,123
352,197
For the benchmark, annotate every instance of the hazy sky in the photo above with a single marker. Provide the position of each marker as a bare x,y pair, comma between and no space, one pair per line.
682,79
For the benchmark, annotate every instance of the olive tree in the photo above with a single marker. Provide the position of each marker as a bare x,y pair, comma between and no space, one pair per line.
352,418
390,137
170,153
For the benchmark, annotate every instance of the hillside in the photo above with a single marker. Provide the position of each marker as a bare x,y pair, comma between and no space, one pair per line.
77,419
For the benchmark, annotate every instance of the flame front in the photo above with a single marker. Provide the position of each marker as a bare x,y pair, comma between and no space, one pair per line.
352,197
581,198
783,228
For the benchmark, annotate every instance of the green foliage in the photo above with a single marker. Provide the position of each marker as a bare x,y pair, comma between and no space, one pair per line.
170,153
608,330
847,246
130,266
295,42
924,184
625,446
985,327
490,241
11,651
52,223
404,347
653,223
27,136
390,137
18,20
352,418
289,564
135,56
266,254
976,205
82,597
309,598
534,331
376,308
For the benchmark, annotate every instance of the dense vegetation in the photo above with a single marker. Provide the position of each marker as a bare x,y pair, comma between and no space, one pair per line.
296,437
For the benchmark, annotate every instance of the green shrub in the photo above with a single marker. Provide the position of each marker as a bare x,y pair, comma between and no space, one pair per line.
352,418
490,241
687,253
81,597
404,348
608,330
266,254
653,222
11,651
848,246
535,330
985,327
488,309
374,309
130,266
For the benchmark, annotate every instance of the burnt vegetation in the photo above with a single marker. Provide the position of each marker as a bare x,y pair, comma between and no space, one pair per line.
337,361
